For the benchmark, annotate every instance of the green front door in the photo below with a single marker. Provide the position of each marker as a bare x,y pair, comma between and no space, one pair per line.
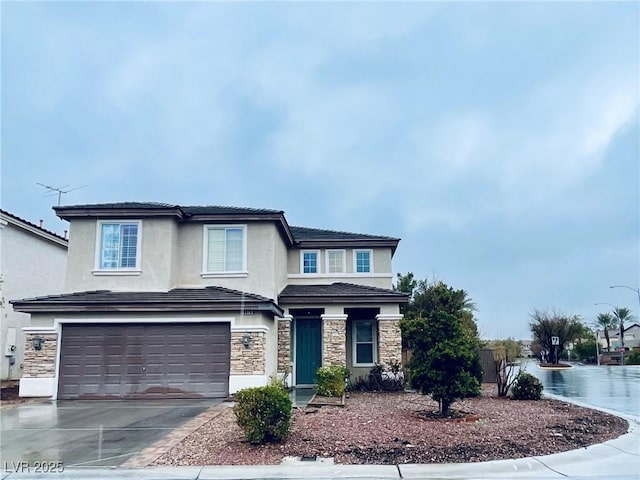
308,349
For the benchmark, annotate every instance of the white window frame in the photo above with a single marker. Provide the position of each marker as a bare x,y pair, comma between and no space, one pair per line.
355,261
205,251
327,255
317,252
354,343
98,270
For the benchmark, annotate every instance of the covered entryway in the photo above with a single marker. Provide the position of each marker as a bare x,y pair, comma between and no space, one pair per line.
144,360
308,346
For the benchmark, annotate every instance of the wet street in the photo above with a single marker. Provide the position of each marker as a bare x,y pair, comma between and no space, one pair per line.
613,387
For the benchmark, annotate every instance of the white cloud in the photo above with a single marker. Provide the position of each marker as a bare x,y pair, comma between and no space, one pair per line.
524,157
614,103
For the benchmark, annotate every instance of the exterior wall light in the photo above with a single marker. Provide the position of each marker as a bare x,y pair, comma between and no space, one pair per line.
37,343
246,339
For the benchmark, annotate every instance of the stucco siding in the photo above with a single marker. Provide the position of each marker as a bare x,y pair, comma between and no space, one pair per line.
381,276
30,267
263,252
280,267
156,258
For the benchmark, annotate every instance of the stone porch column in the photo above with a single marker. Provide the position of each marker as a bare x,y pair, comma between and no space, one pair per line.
389,339
248,360
38,375
284,344
334,340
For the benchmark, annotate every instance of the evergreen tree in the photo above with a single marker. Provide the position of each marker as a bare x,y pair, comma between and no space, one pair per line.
442,333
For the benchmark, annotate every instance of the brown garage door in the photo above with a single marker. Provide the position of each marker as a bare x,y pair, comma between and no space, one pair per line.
144,360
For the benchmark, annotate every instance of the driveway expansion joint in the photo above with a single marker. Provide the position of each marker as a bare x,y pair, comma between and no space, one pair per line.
166,443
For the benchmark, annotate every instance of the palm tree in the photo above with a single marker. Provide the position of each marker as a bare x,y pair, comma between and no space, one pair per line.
606,322
622,314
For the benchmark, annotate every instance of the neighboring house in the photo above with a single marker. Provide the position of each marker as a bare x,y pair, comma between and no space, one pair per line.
168,300
33,262
526,348
631,337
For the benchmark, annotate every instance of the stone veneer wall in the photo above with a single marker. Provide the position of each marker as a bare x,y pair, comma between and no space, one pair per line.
248,361
334,340
284,344
40,363
389,342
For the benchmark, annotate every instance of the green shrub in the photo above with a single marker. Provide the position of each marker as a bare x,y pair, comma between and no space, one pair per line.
330,381
380,380
280,380
526,387
632,358
263,413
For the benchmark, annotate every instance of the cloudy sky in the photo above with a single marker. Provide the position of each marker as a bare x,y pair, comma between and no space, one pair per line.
499,140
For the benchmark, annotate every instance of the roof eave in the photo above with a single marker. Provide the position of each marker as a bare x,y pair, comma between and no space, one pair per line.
148,307
340,299
354,243
278,218
67,213
34,229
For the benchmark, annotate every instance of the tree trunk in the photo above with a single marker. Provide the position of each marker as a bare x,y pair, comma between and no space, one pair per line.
444,407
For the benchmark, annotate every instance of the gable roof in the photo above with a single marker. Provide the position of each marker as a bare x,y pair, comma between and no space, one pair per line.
33,229
339,292
178,299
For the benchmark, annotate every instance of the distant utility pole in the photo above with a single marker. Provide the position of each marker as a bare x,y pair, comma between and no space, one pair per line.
59,190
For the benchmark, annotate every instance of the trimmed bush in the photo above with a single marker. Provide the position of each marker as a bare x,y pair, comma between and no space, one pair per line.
330,381
526,387
263,413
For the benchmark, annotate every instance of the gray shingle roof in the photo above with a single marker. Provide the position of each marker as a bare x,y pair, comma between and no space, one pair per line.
36,228
301,236
189,209
308,234
222,210
339,293
179,299
124,205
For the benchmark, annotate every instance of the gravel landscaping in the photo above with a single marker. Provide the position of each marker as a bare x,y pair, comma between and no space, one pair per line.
395,428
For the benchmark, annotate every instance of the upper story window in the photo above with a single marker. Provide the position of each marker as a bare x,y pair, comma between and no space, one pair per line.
335,261
119,245
310,261
362,261
225,249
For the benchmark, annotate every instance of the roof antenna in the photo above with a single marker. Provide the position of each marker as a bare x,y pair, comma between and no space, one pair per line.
58,190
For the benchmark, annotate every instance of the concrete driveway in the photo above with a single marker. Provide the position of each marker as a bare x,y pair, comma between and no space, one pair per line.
90,433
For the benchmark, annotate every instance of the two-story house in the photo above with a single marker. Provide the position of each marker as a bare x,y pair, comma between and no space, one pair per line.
631,337
33,261
169,300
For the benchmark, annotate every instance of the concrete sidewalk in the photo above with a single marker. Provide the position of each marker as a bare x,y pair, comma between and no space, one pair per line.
615,459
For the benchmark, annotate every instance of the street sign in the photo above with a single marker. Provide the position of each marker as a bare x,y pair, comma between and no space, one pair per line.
555,340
